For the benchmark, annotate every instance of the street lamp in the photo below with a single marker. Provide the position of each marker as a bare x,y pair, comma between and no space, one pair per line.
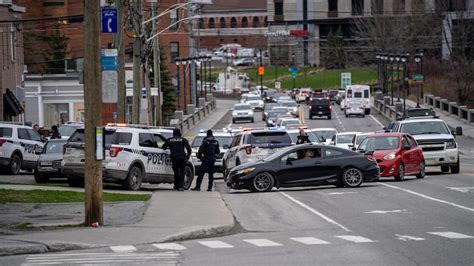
404,59
384,58
377,56
195,60
391,58
209,59
177,61
418,61
397,59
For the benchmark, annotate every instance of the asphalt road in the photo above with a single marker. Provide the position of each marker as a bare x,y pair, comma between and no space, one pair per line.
414,222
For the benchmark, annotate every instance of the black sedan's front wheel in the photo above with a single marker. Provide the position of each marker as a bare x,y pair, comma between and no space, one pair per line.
352,177
263,182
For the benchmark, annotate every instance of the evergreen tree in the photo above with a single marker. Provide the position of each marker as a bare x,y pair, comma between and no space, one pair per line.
334,54
55,57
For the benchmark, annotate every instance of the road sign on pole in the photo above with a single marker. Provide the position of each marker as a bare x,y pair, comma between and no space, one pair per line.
346,79
109,86
277,85
109,20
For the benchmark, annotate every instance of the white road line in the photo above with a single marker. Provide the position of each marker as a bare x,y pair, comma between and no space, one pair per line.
355,239
452,235
262,242
215,244
120,249
462,189
409,238
341,193
309,240
229,125
428,197
377,121
315,212
169,246
385,212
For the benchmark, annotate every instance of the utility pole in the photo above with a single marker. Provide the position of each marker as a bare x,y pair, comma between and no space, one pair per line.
93,112
137,49
156,66
261,76
118,44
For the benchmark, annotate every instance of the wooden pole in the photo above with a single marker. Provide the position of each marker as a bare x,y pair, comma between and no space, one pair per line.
118,44
93,112
137,50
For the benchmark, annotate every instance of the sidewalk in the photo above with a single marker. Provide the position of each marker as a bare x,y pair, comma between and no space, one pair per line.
170,216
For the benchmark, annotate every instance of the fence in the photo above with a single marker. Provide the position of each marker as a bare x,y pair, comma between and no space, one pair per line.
195,114
461,112
382,104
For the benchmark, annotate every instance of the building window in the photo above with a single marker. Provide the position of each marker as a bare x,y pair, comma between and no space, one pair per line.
332,8
245,22
451,5
53,3
256,22
211,23
56,113
201,23
418,6
279,11
222,23
357,7
377,7
399,6
174,17
174,48
233,22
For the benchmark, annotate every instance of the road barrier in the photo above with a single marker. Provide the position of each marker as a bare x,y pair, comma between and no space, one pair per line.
382,104
460,112
195,114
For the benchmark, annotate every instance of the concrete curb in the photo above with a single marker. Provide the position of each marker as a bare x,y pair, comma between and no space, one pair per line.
36,247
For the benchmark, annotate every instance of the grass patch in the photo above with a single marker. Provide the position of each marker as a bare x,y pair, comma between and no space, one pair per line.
48,196
37,184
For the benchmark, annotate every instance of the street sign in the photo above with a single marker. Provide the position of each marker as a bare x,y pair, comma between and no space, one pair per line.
293,69
277,85
417,77
109,86
346,79
109,20
261,70
109,59
294,75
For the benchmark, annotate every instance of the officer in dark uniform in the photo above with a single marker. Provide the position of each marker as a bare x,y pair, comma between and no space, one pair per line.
180,153
207,153
302,137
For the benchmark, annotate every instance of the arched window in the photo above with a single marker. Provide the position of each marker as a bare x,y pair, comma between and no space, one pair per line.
201,23
255,22
211,24
245,22
222,23
233,22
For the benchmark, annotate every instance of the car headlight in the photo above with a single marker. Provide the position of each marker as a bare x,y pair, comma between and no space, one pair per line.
246,170
234,114
451,144
390,156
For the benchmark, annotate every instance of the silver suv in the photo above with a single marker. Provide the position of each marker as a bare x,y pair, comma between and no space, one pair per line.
19,147
242,111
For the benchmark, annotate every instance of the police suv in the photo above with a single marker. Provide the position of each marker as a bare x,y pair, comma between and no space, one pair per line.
254,145
133,155
19,147
435,139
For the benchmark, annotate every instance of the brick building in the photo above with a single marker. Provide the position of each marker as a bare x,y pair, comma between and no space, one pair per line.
11,62
232,21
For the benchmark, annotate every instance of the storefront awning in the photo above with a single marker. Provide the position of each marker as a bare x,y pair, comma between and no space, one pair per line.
11,105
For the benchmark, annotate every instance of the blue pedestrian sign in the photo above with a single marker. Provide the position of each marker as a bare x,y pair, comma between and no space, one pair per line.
109,60
109,20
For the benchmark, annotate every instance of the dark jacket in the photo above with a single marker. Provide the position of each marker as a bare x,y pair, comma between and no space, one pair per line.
179,147
55,135
302,139
209,149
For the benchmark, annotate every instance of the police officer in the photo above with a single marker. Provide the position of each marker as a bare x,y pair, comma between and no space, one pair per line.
207,153
302,137
180,153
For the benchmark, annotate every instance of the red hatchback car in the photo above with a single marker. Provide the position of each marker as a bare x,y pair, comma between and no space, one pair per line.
397,154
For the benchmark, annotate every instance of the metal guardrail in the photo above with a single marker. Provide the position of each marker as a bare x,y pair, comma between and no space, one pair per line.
195,114
460,112
382,104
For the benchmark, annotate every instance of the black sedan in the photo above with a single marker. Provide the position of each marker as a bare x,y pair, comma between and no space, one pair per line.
305,165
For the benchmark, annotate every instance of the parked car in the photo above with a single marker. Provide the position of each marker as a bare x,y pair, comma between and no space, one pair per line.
397,154
242,111
50,161
345,140
320,107
224,139
305,165
243,62
325,135
66,130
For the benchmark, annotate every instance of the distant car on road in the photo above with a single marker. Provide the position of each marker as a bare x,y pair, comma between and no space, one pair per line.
325,135
345,140
305,165
242,111
272,117
243,62
398,155
224,139
320,107
49,161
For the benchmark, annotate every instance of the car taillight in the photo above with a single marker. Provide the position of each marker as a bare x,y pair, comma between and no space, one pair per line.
2,141
114,151
248,150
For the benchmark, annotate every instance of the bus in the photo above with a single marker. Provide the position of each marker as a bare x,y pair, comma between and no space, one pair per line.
358,95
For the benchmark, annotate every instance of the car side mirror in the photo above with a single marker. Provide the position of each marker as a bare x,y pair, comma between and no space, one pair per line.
459,131
225,146
354,148
407,147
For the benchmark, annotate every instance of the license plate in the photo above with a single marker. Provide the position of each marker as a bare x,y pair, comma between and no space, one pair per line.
320,112
56,165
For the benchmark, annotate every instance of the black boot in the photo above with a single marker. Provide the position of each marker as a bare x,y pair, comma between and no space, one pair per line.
196,189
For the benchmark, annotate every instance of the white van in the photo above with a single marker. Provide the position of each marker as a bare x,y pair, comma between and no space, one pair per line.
358,95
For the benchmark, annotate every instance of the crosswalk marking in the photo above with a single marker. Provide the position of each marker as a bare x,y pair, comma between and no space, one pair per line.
262,242
121,249
309,240
355,239
408,238
169,246
160,258
215,244
452,235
